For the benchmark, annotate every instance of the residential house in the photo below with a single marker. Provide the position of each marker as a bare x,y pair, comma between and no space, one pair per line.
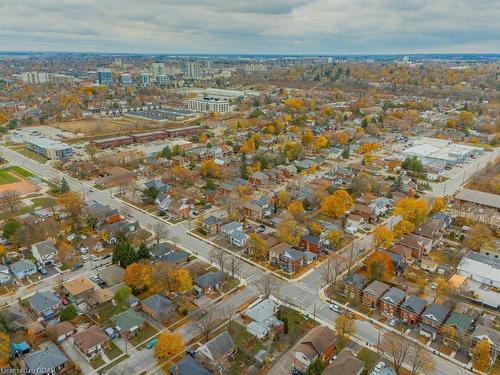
119,227
4,275
164,189
211,225
346,363
128,323
311,243
411,309
188,366
353,286
49,359
490,334
218,351
23,268
44,252
372,294
433,319
417,244
100,297
361,209
229,228
263,318
158,250
179,209
391,301
45,304
291,260
258,178
431,229
210,281
318,343
158,307
175,258
380,206
404,252
92,243
258,209
239,238
91,341
112,275
463,324
79,289
60,331
428,264
353,223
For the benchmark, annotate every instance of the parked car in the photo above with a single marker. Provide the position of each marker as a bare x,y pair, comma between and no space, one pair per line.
84,257
42,270
335,308
64,302
93,257
110,331
151,343
17,283
95,278
261,228
393,322
76,267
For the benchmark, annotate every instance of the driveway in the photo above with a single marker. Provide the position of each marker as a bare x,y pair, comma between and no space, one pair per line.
284,364
76,357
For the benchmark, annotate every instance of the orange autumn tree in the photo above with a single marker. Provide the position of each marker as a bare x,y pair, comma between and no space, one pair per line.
412,209
402,228
438,205
382,237
168,345
321,142
295,208
294,104
342,138
337,203
138,276
209,168
379,266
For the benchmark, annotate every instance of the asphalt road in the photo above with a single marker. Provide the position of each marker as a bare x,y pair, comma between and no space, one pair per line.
303,294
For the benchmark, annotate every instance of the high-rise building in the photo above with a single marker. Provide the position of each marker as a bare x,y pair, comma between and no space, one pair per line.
118,62
159,69
192,69
104,77
38,78
161,79
125,79
145,79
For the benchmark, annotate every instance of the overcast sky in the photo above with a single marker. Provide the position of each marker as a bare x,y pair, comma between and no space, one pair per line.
251,26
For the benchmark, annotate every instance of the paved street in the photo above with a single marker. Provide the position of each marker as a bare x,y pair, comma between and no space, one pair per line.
303,294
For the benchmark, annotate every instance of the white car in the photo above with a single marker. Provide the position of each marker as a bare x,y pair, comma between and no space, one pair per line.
84,257
95,278
335,308
93,257
379,366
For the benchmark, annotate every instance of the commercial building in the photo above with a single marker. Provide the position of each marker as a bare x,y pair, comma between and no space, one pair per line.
104,77
191,69
480,267
145,79
159,69
161,79
125,79
49,149
35,77
208,104
439,153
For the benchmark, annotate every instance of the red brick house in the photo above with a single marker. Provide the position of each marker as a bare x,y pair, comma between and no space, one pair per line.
318,343
391,301
310,243
411,310
372,294
258,178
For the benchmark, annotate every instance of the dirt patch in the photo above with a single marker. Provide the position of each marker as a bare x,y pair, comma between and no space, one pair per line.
22,187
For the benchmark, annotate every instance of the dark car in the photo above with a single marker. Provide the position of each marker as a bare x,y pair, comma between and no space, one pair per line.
76,267
190,352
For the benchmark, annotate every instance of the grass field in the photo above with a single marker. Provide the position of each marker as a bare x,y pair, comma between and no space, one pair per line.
6,177
19,170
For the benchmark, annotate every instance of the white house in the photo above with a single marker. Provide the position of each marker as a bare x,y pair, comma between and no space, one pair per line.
239,238
44,252
23,268
4,275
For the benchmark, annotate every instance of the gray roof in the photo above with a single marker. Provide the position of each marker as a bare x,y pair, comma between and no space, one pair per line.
45,247
188,366
376,288
173,257
158,303
461,321
211,220
356,280
45,359
394,296
128,319
492,334
209,279
22,266
42,301
414,304
230,227
160,249
220,345
293,254
436,312
239,235
479,197
261,311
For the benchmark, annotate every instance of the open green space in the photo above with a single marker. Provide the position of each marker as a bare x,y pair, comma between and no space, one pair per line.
144,334
6,177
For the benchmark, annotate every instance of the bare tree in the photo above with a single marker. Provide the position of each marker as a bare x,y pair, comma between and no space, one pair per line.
205,320
160,231
234,266
267,285
218,255
396,348
420,360
331,269
10,200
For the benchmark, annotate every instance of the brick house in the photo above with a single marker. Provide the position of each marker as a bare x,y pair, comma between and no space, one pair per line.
372,294
258,178
91,341
433,318
411,310
391,301
258,209
211,225
310,243
353,286
318,343
159,307
417,244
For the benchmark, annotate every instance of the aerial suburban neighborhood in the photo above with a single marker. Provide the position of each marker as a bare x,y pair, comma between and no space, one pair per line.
254,214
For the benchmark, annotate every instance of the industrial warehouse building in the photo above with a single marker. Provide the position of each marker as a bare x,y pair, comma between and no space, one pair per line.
440,153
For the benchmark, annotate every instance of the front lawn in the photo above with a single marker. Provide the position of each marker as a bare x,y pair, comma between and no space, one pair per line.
297,323
147,332
368,357
32,155
104,315
113,351
97,362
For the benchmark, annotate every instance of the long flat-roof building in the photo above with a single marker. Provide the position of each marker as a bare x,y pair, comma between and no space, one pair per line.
49,149
481,267
208,104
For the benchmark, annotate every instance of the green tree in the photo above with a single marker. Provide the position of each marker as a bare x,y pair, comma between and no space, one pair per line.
243,166
166,152
285,325
64,188
123,252
315,368
10,228
346,153
68,313
149,195
210,185
122,295
143,252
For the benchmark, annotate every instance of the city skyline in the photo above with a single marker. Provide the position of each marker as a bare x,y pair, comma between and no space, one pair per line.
299,27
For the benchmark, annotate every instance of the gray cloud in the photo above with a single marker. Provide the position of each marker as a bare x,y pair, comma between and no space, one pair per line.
260,26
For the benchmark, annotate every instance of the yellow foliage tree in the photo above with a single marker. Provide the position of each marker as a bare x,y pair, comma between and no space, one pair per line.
258,246
315,228
334,237
344,326
138,276
382,237
411,209
321,142
342,138
168,345
438,205
294,104
295,208
307,137
284,198
287,117
402,228
248,146
183,280
210,169
290,231
481,355
4,350
337,203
